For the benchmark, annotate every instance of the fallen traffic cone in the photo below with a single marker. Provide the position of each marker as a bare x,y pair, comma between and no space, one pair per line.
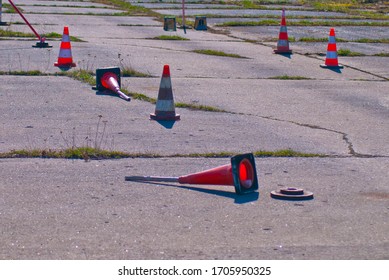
109,79
65,60
332,53
241,173
165,110
283,41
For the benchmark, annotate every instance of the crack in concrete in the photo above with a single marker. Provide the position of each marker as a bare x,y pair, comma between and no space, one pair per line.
345,136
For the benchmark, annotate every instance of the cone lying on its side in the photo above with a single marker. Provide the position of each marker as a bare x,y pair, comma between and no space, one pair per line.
109,79
241,173
65,59
283,40
165,109
332,53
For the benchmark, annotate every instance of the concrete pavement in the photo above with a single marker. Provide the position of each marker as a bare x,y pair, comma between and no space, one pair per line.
72,209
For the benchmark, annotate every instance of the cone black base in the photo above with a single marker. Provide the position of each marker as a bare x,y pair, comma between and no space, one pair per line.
282,52
42,45
331,67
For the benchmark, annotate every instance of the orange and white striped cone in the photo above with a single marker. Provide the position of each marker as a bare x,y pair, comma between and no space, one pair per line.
283,40
332,53
65,60
165,110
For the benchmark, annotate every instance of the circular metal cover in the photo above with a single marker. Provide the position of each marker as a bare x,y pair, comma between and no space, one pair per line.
291,194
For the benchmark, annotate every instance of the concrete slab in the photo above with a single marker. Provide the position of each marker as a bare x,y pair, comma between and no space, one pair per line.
63,209
62,113
72,209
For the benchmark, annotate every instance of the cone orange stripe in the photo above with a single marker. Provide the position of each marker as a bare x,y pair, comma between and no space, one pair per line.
283,36
221,175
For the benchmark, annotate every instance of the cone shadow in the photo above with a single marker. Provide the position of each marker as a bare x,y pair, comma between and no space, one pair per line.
238,199
167,124
287,55
107,93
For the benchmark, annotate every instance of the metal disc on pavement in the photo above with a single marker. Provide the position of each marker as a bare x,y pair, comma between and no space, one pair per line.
291,194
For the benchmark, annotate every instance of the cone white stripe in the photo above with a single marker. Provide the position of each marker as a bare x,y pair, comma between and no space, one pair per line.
165,83
331,39
65,38
165,105
65,53
283,43
283,28
332,55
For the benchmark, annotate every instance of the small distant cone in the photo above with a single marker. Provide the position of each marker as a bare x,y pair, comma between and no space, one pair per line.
241,174
165,110
109,80
283,41
332,53
65,60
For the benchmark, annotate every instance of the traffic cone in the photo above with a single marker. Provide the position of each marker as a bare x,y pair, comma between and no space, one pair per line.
283,41
165,110
241,174
332,53
109,79
65,60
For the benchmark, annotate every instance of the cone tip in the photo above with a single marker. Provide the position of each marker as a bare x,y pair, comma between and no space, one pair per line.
66,30
166,70
332,32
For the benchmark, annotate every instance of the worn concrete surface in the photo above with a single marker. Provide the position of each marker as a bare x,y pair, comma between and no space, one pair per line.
72,209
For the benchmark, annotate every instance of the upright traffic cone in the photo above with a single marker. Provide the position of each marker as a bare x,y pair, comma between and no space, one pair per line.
165,110
65,60
241,173
283,41
109,79
332,53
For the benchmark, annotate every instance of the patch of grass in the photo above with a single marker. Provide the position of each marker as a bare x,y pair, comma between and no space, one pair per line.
9,33
23,73
286,77
270,22
199,107
170,37
130,72
382,54
347,52
130,9
52,35
89,153
80,75
250,4
285,153
86,153
373,41
218,53
140,96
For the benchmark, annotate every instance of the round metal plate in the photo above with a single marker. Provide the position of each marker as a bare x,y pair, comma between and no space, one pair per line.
291,194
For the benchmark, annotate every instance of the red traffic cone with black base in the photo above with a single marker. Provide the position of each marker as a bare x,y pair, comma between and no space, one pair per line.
109,79
332,53
165,110
283,40
65,59
241,174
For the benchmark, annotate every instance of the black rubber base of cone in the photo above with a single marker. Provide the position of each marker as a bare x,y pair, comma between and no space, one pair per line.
42,45
331,67
164,118
291,194
65,67
282,52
